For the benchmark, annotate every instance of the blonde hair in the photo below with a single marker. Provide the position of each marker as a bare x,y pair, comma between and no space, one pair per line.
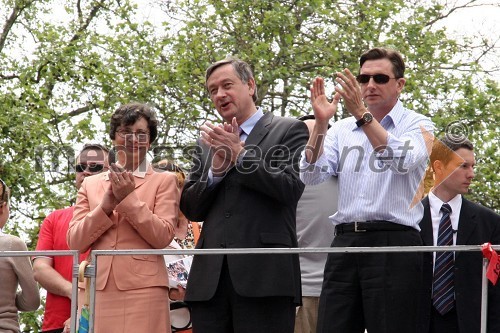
166,165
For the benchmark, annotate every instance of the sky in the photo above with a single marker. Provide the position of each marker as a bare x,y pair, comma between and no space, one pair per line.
484,20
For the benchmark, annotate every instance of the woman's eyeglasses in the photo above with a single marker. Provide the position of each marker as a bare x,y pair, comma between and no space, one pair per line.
142,136
378,78
92,167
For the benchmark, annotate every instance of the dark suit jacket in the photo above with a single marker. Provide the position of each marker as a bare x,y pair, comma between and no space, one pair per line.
252,207
476,225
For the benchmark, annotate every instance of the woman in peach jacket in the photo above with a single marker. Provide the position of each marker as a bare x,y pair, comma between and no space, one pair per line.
130,207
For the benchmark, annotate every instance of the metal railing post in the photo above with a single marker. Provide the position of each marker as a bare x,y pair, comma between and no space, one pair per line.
93,274
56,253
484,297
74,292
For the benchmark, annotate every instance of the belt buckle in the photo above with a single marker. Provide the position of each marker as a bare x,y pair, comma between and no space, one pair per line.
356,228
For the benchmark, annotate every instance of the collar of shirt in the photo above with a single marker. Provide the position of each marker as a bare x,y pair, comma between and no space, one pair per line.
392,118
249,124
140,172
435,205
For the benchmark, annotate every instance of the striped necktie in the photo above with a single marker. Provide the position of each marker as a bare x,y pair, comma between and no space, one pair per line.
443,290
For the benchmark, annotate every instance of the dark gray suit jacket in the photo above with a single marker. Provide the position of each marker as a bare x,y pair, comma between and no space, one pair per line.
476,225
252,207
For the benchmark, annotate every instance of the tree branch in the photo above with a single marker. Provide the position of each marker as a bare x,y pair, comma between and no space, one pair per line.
19,7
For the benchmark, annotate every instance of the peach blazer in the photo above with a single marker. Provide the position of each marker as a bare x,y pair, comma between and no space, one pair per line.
145,219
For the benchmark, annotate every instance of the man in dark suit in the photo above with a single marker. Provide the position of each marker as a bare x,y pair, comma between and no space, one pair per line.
244,185
452,160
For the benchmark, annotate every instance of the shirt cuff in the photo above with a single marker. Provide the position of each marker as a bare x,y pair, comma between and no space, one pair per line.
213,180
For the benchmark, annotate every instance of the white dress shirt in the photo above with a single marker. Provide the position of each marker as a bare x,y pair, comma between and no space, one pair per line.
435,206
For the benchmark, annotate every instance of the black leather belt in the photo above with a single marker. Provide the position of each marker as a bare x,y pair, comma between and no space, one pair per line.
370,226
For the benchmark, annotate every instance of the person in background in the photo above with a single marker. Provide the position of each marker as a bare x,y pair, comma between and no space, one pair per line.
185,230
55,273
186,235
15,273
184,238
379,155
314,229
244,186
129,207
449,216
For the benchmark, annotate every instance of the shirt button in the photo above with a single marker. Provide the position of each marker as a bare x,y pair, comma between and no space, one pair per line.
227,215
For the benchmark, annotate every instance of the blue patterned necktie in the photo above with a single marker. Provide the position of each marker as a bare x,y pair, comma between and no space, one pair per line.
443,290
243,135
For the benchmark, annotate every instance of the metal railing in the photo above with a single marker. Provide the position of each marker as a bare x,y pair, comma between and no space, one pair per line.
91,269
399,249
74,281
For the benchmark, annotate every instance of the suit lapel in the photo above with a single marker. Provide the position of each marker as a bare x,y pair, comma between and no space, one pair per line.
260,129
103,184
467,222
426,224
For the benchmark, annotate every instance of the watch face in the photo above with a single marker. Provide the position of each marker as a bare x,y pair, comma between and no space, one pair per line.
365,119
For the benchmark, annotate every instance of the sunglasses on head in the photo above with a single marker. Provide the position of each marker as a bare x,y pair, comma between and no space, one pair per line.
93,167
378,78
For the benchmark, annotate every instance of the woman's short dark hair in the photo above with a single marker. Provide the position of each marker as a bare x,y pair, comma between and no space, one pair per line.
128,114
398,64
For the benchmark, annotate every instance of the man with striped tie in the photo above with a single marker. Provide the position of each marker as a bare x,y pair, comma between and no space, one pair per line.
452,281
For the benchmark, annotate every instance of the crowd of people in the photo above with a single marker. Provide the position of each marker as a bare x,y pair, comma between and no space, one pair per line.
263,181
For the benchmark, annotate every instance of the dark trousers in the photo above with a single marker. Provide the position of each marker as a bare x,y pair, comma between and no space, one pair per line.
228,312
444,324
376,291
57,330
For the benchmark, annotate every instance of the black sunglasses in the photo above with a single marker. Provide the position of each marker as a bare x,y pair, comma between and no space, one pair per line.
4,191
378,78
93,167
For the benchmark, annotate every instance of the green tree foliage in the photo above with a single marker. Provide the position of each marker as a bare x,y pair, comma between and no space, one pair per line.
291,42
65,65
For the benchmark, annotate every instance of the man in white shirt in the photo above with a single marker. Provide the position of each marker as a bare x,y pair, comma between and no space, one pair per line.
379,155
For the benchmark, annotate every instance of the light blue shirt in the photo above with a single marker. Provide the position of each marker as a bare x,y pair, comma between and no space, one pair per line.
250,123
375,186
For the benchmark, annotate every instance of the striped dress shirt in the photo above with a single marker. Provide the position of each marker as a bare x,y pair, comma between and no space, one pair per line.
375,186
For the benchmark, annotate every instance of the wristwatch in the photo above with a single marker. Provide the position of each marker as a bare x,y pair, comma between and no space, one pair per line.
366,118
